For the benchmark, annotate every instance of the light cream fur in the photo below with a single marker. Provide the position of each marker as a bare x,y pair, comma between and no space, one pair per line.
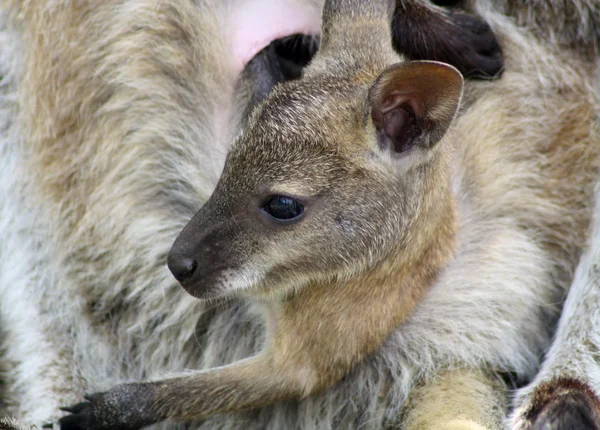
454,400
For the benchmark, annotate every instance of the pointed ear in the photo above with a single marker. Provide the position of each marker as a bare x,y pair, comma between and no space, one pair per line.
412,104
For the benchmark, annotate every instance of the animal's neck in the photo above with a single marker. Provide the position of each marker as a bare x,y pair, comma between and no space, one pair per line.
342,321
404,278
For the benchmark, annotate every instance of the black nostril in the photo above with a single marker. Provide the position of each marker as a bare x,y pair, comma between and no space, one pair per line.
182,268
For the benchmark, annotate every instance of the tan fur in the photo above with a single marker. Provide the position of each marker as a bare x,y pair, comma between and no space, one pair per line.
570,25
455,400
309,319
375,295
327,323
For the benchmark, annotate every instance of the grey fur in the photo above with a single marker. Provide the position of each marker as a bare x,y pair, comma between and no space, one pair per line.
85,295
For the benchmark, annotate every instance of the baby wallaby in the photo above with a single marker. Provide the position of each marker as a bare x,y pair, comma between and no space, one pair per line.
333,211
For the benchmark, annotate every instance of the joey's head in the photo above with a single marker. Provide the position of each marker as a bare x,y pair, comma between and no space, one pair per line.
334,173
330,178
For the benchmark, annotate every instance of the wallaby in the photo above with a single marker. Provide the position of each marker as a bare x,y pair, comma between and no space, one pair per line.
125,110
334,212
565,394
345,201
133,115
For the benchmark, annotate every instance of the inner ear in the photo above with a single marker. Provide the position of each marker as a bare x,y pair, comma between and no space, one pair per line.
414,104
396,124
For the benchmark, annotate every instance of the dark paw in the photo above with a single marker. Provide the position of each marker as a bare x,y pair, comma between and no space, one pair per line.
451,36
448,3
564,404
124,407
81,415
478,53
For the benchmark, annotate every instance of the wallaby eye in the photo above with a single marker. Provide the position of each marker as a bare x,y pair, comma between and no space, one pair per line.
283,208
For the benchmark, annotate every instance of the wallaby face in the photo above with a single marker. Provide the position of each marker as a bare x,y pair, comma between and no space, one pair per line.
326,182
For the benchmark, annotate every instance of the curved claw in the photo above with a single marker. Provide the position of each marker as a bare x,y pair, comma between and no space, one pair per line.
122,408
94,396
79,419
74,409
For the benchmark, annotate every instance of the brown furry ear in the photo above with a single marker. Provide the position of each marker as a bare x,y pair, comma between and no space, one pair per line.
414,103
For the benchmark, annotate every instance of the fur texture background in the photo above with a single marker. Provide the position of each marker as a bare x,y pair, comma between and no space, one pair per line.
111,137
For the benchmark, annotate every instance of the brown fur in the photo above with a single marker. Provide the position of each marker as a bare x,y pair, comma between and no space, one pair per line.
317,120
326,324
565,401
422,31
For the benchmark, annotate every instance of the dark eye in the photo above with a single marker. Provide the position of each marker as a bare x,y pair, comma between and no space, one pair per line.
283,208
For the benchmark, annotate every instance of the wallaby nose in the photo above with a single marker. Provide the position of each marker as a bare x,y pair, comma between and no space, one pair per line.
182,268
